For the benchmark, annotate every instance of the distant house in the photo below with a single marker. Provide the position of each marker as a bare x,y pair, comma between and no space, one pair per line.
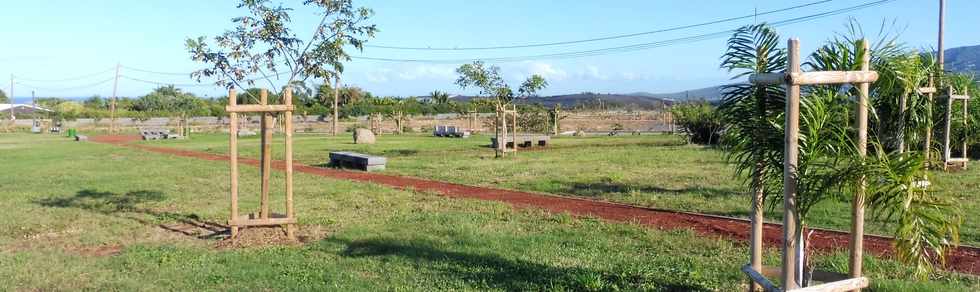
20,109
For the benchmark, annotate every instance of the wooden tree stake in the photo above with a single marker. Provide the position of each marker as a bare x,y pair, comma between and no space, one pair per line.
791,263
233,158
288,100
857,207
266,147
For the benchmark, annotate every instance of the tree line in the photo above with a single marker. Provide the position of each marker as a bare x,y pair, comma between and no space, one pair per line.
317,100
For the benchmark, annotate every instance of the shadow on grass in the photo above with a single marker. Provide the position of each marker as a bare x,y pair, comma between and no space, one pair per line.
512,274
601,188
400,152
127,206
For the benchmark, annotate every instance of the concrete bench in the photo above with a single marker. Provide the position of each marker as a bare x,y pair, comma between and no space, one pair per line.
153,134
246,133
357,160
523,140
158,134
450,131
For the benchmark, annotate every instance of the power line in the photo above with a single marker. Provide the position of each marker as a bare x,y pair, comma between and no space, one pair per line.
163,83
157,72
80,77
167,83
627,48
723,20
67,88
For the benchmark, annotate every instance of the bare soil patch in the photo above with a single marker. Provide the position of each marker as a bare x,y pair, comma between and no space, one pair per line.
261,236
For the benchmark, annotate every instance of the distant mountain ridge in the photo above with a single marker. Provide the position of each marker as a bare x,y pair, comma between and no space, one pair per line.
640,99
963,59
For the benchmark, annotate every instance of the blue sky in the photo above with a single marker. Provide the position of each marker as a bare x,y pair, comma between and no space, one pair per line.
58,39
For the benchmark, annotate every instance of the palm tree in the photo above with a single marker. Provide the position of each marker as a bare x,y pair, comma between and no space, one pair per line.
753,140
829,164
439,97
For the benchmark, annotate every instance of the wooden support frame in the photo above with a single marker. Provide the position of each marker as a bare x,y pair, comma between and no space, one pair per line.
503,114
792,264
375,120
265,217
948,158
930,92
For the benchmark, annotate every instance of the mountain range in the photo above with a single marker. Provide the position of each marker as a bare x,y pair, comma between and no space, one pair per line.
960,59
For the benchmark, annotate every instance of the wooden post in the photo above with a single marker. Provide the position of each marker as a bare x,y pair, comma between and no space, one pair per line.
515,128
472,116
947,154
233,159
755,254
112,106
857,207
336,97
902,104
502,138
966,116
266,147
288,101
557,116
790,276
927,148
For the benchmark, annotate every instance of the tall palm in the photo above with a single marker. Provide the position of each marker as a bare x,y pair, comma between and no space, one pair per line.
439,97
753,139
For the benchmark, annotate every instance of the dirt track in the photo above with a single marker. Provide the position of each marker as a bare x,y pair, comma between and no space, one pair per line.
963,259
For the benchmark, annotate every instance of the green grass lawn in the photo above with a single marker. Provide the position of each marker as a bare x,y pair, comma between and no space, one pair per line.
64,202
651,170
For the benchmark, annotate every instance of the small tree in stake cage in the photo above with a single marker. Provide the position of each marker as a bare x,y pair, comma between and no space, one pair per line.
263,47
823,158
490,83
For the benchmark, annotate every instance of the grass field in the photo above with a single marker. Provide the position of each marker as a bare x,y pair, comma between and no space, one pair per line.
651,170
87,216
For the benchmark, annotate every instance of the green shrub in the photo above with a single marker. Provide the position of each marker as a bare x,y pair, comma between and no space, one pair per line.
699,121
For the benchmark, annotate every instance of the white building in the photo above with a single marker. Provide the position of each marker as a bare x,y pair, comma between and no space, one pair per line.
20,109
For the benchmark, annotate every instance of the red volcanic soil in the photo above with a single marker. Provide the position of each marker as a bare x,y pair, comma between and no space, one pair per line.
963,259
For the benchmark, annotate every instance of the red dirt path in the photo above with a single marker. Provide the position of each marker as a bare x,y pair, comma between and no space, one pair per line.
964,259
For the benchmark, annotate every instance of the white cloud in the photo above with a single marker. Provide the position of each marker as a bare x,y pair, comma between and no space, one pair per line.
427,72
592,72
417,72
379,75
546,70
632,76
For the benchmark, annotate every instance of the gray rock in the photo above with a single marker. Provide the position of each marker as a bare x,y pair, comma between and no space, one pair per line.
245,133
363,136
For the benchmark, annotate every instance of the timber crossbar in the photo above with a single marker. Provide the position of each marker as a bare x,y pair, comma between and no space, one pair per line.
814,78
258,108
836,286
926,90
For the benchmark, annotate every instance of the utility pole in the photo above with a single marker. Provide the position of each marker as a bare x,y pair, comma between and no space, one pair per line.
336,96
12,118
942,24
112,106
33,110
